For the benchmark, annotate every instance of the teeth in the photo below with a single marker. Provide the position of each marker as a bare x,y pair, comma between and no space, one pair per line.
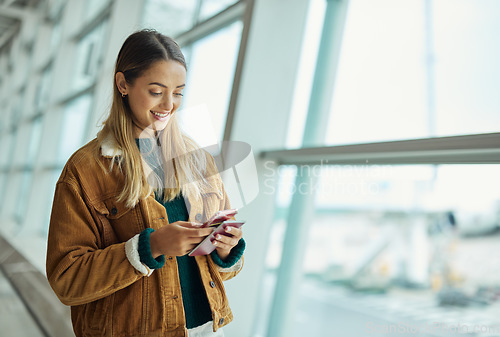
159,114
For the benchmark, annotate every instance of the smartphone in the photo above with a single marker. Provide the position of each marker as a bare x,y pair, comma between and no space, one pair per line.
206,247
220,217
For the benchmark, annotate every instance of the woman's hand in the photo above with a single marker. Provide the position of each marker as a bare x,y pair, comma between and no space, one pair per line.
226,242
177,239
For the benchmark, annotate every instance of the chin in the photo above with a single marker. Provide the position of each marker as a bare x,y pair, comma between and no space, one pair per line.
160,125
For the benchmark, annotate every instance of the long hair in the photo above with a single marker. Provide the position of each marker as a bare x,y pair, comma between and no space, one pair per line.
184,163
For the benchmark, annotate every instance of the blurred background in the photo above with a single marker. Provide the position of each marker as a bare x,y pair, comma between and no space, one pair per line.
375,126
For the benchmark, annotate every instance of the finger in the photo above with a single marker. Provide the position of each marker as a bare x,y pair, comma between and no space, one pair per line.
226,240
189,246
234,231
189,224
195,241
194,232
202,232
221,245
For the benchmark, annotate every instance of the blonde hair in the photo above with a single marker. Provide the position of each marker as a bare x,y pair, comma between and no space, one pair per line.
185,164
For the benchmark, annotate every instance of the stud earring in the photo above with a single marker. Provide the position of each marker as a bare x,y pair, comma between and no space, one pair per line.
123,95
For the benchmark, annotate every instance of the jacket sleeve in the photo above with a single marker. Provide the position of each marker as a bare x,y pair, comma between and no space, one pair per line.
77,270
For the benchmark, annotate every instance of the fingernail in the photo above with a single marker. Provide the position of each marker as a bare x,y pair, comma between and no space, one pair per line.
218,237
214,243
228,229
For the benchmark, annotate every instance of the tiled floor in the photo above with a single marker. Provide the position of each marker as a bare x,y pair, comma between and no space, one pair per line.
15,320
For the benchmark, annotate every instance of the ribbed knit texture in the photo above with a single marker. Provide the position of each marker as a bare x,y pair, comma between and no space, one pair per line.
145,251
235,254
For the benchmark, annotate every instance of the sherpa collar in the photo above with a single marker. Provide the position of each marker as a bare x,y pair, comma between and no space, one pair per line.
109,147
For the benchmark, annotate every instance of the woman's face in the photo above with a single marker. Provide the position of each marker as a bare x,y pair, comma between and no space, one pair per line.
155,95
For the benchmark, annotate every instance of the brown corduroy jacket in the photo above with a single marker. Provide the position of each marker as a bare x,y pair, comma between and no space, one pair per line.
87,266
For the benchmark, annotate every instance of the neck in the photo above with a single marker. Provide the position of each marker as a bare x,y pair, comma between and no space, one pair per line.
138,131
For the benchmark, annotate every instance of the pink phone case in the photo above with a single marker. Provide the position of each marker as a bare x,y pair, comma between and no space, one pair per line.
206,247
219,217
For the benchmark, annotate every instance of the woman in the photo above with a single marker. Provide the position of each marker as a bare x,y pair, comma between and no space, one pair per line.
122,223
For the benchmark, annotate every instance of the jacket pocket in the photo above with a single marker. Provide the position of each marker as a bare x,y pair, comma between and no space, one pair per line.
97,315
130,309
123,221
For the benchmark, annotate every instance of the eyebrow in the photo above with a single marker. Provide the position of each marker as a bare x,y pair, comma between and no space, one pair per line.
164,86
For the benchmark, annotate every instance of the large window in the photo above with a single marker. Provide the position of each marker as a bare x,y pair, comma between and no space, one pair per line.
42,93
7,150
411,69
169,16
93,7
212,7
89,56
391,247
407,245
211,55
74,127
210,79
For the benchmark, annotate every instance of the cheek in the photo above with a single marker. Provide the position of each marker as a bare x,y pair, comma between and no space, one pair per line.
177,102
146,101
141,104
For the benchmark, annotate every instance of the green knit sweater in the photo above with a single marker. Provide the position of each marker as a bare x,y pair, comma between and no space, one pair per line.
196,307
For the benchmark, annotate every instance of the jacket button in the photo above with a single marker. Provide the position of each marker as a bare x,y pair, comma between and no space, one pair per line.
221,321
114,211
212,284
198,217
170,257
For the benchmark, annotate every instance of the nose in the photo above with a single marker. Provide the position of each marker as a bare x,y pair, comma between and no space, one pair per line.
167,104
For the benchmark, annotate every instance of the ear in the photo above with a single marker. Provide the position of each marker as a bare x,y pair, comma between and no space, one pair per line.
121,83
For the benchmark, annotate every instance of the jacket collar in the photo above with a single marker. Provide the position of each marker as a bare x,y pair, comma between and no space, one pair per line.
109,147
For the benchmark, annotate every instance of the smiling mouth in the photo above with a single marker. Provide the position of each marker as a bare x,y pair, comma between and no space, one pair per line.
158,114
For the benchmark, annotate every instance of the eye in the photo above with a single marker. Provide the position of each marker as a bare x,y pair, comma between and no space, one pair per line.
178,94
155,93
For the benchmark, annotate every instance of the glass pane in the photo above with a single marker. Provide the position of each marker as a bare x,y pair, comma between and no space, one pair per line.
21,146
467,69
3,182
210,8
48,187
18,108
409,69
210,76
402,248
11,197
303,85
7,146
41,195
43,91
74,126
34,142
169,16
55,37
89,53
94,7
3,70
20,209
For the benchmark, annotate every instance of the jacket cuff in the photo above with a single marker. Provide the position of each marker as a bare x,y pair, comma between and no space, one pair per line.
132,253
235,268
145,251
233,260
